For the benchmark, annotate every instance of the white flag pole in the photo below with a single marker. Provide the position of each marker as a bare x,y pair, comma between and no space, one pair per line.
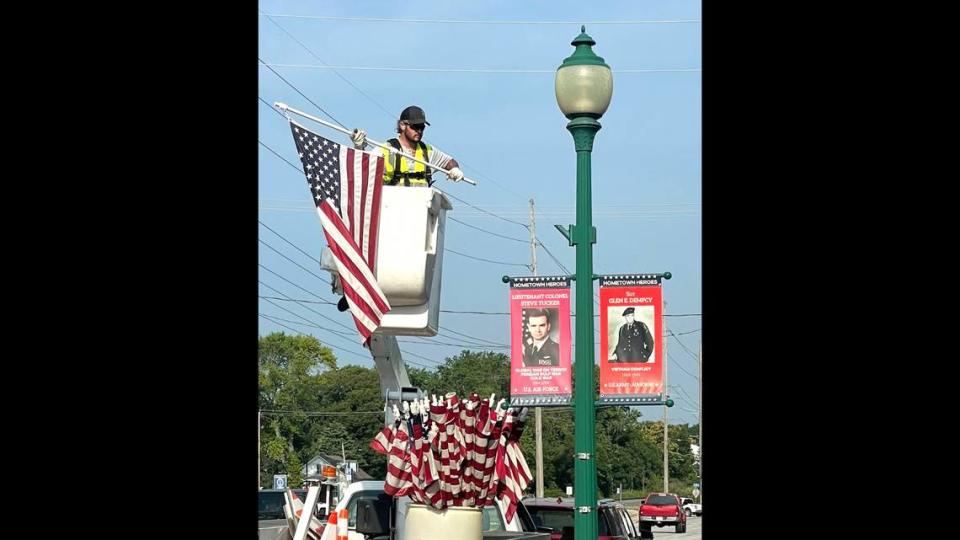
285,108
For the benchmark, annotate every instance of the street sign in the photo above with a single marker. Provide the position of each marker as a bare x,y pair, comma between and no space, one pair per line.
696,484
696,492
279,481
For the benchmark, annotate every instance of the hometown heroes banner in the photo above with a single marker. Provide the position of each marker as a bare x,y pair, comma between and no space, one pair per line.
631,326
540,353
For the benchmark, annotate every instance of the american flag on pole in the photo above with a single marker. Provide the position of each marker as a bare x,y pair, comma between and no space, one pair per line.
346,186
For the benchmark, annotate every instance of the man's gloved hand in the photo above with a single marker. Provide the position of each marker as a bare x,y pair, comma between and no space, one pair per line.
455,174
359,138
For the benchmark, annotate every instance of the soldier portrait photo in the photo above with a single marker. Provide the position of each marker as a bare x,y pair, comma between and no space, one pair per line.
634,338
539,348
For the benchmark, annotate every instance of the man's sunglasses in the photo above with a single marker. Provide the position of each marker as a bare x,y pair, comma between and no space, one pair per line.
417,127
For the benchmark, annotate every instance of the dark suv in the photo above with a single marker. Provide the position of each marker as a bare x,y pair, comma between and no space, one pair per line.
270,503
613,521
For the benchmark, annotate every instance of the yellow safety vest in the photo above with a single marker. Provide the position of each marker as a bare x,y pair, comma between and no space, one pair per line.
399,169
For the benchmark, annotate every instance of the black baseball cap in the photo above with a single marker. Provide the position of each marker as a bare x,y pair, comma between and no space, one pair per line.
414,115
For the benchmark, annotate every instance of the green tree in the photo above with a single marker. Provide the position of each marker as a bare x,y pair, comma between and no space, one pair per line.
351,389
482,372
289,371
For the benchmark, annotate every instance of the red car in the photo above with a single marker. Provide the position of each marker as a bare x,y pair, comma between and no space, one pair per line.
613,521
661,509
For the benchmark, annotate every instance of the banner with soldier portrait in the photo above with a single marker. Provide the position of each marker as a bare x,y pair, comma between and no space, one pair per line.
540,353
631,326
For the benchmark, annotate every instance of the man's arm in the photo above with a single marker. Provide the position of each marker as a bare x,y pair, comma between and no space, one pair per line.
647,340
446,162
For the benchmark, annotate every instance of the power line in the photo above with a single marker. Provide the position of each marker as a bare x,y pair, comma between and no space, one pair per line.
475,312
463,70
278,155
485,260
684,346
284,238
475,341
613,207
559,264
344,333
463,312
679,365
486,231
364,94
436,343
307,308
435,362
299,92
293,261
685,400
339,333
327,344
597,214
684,392
475,21
272,108
596,299
318,413
688,332
375,102
267,317
331,320
271,319
452,196
449,194
298,169
469,336
283,325
298,301
324,300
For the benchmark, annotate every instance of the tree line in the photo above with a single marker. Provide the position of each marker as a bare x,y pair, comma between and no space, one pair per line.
310,405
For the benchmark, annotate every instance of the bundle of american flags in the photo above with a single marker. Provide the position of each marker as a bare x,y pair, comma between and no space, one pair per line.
447,452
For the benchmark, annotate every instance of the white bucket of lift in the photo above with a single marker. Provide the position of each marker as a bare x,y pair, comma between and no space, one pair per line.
410,258
426,523
409,264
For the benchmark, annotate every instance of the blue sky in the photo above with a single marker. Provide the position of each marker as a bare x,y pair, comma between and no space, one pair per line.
508,134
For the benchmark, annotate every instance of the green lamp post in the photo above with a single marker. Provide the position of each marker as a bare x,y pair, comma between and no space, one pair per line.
584,86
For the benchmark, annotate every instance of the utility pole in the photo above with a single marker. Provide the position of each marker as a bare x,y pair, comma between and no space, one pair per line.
666,426
700,401
538,411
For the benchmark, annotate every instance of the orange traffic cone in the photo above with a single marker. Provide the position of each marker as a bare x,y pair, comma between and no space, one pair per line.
342,522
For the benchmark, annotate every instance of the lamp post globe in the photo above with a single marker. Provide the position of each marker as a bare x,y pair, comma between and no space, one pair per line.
584,82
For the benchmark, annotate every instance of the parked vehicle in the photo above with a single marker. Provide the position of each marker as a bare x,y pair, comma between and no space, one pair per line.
270,503
495,525
272,523
690,507
613,521
661,509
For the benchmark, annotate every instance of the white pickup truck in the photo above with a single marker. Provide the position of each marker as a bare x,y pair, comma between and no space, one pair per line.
494,522
690,507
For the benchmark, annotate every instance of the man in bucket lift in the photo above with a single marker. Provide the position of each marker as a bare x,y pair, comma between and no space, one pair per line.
398,170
